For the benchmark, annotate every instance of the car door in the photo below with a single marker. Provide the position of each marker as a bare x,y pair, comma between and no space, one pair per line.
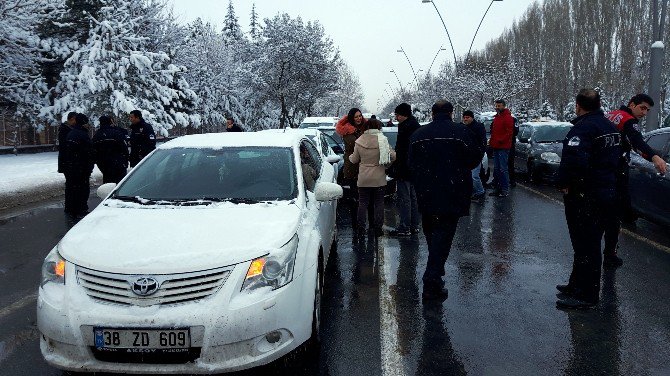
327,210
650,191
522,148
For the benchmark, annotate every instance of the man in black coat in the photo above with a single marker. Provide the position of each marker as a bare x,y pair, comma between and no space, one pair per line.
442,155
231,126
587,178
78,165
480,132
63,130
142,138
408,211
111,150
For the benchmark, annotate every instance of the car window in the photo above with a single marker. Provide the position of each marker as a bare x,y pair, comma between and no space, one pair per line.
311,164
392,136
525,132
325,147
659,142
550,133
184,174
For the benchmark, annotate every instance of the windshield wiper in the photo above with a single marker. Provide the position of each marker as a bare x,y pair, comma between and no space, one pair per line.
239,200
135,199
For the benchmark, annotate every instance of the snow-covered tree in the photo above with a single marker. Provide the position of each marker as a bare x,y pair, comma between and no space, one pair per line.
115,72
232,32
254,26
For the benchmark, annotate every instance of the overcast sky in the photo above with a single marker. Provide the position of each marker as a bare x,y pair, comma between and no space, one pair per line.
369,32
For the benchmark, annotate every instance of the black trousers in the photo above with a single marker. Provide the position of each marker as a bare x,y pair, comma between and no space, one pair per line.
370,198
112,174
587,218
624,210
77,190
439,231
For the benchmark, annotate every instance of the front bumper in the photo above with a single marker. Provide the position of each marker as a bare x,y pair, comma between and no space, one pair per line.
546,171
228,329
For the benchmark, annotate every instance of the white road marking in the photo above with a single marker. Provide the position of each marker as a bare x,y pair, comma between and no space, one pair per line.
28,299
623,230
390,348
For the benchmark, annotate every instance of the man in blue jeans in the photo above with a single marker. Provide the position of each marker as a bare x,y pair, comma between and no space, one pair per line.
502,131
478,129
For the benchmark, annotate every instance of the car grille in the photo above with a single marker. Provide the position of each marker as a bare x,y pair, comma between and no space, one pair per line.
173,288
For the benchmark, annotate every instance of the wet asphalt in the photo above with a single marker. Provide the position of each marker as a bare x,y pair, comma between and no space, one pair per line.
500,317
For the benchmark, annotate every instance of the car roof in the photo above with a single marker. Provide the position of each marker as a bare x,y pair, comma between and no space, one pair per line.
301,131
657,131
235,139
389,129
546,122
319,119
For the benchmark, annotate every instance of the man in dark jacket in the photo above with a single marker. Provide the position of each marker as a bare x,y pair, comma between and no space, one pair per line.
78,165
587,178
502,131
142,138
63,130
231,126
626,121
111,150
441,157
480,132
408,210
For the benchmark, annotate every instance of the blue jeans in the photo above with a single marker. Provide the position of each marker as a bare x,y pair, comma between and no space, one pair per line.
477,186
500,169
408,210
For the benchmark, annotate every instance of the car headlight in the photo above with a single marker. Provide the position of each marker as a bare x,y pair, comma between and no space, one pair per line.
274,269
550,157
53,268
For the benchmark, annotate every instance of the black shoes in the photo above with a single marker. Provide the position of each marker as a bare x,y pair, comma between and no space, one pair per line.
435,293
564,289
397,232
414,230
612,261
574,303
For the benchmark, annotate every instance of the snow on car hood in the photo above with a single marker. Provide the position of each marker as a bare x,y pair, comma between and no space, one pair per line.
164,240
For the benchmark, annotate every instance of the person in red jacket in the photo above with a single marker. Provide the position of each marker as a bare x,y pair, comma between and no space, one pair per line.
626,121
502,131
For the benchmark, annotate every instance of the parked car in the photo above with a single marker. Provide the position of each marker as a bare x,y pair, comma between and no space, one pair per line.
650,191
208,257
334,140
318,121
539,148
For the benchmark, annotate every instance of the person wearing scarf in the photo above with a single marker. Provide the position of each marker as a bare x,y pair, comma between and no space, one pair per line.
373,154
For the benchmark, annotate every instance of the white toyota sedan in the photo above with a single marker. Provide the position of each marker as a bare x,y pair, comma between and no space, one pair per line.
208,257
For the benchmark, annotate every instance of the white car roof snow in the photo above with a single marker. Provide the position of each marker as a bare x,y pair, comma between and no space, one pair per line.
235,139
319,119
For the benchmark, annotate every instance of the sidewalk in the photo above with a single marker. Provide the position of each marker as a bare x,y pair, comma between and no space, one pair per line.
28,178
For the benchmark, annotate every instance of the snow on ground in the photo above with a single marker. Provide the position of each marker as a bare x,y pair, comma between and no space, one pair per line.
27,178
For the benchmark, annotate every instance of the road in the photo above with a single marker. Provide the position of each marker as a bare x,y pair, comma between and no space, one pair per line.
500,317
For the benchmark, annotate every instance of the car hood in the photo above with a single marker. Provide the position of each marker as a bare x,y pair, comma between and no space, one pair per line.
554,147
131,240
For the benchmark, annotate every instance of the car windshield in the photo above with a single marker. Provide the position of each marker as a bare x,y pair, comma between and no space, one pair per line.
236,174
550,133
392,136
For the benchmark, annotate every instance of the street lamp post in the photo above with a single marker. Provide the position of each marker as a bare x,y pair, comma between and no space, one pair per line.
433,62
398,78
445,29
391,87
478,26
410,65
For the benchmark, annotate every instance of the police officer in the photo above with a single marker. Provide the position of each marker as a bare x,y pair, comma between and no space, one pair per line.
441,157
142,138
626,121
587,178
111,150
63,130
78,165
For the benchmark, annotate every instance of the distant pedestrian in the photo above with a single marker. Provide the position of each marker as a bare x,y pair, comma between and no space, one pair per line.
408,210
77,167
231,126
442,155
502,131
626,119
63,130
480,132
587,178
350,127
373,154
142,138
111,150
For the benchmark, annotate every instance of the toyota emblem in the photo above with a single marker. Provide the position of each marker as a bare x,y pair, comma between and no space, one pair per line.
145,286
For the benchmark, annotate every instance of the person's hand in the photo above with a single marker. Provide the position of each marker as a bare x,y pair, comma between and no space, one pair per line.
660,164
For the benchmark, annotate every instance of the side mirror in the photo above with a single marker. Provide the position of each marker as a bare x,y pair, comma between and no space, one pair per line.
332,159
105,189
524,140
328,191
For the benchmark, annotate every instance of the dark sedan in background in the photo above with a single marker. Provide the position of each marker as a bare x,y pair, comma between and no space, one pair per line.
539,148
650,191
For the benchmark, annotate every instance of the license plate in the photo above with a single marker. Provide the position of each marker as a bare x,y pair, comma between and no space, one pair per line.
142,338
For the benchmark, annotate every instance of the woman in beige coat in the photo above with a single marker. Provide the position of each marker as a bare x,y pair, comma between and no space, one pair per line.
373,154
